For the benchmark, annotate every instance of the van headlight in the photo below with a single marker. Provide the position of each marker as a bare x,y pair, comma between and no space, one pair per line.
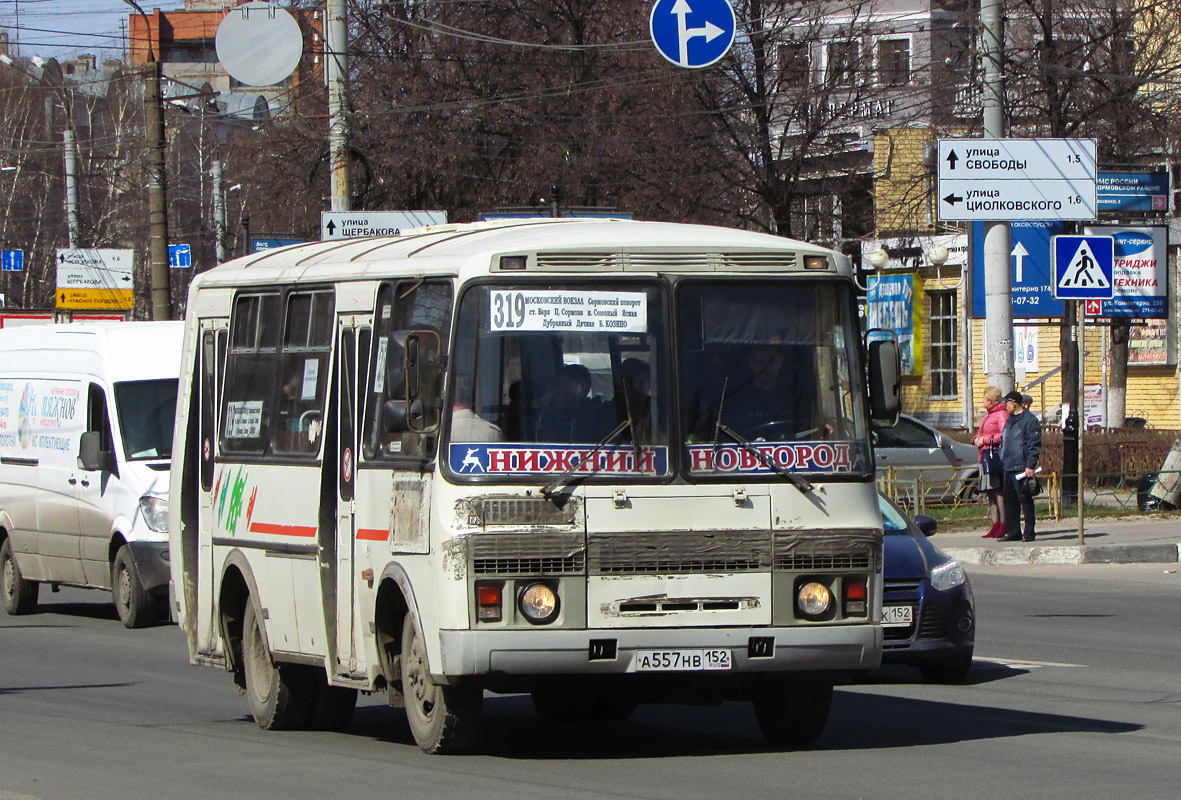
947,575
155,511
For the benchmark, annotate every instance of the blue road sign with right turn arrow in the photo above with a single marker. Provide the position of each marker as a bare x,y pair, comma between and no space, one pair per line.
692,33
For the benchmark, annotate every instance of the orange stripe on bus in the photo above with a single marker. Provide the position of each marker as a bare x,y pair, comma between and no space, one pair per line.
282,530
372,534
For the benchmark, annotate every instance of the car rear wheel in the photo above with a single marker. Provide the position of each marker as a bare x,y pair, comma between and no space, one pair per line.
947,670
20,595
135,605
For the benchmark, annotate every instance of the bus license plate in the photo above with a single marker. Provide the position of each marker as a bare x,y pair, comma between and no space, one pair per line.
681,660
897,616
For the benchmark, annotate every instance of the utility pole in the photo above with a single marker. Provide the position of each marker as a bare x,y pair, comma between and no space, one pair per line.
998,299
219,213
157,192
336,72
70,152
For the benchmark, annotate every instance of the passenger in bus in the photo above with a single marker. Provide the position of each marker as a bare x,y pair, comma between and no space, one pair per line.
466,424
300,428
569,413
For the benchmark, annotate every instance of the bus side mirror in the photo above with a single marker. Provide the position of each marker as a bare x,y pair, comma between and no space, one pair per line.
413,382
885,382
91,458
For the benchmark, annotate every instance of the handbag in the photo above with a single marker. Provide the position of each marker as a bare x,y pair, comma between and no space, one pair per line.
1031,486
990,460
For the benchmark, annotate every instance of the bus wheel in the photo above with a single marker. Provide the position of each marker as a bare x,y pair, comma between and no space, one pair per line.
278,695
793,714
135,605
444,719
20,596
332,706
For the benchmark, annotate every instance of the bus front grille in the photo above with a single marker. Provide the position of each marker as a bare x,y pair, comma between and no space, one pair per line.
551,553
678,552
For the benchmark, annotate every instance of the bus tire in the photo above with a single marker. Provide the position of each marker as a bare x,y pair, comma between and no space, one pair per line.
278,695
792,714
136,606
20,595
444,720
332,706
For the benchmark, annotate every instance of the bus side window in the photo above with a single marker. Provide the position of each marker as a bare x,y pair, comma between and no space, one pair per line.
307,341
409,305
251,365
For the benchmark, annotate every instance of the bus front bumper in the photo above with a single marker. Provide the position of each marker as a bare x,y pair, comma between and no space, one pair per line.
838,648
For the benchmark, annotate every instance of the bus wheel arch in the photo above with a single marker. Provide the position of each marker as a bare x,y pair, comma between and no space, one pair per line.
236,589
390,610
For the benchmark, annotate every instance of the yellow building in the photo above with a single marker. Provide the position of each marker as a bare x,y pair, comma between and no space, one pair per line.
950,375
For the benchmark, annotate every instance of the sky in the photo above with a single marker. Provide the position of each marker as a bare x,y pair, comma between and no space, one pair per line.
67,28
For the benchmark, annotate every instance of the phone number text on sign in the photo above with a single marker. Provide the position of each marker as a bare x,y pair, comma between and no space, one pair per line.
575,311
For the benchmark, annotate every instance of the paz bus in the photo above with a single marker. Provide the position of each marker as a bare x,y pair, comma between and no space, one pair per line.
602,462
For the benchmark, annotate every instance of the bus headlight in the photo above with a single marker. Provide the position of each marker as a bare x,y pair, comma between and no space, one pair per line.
155,511
813,599
538,603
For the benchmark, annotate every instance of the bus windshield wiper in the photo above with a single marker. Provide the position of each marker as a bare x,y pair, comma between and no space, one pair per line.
557,483
795,480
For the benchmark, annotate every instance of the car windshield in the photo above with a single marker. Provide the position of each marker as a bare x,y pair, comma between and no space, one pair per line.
147,410
550,378
892,519
770,378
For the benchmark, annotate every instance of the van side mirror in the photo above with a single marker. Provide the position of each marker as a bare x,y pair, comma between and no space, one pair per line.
885,382
90,455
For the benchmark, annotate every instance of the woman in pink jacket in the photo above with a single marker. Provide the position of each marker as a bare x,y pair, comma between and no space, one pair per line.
988,442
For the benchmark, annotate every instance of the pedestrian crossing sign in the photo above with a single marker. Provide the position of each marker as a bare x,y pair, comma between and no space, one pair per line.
1083,267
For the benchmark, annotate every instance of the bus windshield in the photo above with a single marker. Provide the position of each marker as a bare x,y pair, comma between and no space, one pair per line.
550,378
770,380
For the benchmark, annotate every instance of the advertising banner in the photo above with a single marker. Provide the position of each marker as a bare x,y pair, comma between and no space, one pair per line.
1140,271
893,303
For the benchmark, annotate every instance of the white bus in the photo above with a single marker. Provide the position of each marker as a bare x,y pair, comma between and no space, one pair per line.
600,461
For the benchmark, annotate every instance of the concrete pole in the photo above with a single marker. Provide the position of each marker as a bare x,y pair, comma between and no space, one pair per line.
70,152
336,72
219,213
998,299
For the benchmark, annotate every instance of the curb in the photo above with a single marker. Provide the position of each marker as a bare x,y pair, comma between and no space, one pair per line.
1077,554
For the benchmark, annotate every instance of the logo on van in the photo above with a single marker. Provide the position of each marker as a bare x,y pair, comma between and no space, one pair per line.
25,412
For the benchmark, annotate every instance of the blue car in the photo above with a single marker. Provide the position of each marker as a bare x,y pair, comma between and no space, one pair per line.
928,613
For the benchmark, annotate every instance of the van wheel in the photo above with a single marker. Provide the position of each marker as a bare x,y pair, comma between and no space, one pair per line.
135,605
279,695
20,596
793,714
445,720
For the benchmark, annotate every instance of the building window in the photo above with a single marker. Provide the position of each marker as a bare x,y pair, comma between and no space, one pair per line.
944,346
793,63
894,62
842,61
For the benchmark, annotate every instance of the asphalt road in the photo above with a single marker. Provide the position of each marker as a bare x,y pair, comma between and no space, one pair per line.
1075,694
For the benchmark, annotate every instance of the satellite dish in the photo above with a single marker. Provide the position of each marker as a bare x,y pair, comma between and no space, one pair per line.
259,44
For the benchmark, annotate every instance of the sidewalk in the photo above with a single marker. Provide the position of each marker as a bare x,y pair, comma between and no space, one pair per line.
1140,540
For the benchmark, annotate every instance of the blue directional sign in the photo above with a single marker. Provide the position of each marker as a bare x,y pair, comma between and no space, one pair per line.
261,243
179,256
1083,267
12,260
692,33
1029,264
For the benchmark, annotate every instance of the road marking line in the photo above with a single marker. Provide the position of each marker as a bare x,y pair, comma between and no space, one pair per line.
1013,663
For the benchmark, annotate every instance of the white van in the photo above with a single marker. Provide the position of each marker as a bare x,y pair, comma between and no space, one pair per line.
86,418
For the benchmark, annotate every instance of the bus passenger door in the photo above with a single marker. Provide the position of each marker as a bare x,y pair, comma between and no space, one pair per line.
347,457
211,350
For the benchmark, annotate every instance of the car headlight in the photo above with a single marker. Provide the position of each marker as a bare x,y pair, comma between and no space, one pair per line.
948,575
813,599
539,603
155,511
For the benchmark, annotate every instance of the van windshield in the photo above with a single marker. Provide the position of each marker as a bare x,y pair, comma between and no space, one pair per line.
147,410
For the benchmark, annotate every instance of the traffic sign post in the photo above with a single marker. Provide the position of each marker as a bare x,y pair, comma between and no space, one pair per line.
357,224
180,256
1028,179
692,33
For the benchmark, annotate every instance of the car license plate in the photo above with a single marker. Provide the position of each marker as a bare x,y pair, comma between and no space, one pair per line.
681,660
897,616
